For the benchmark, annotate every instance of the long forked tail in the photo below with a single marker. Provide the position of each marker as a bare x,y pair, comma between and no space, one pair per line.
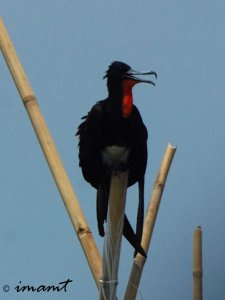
102,207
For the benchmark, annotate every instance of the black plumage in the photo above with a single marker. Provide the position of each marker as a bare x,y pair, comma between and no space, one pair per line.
113,137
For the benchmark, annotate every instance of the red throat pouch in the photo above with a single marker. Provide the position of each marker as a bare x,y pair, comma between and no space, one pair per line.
127,104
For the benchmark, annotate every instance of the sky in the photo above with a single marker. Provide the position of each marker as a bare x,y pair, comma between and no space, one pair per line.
65,48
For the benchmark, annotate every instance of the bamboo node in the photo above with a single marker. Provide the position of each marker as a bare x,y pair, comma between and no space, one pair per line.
158,184
83,231
29,98
197,274
139,260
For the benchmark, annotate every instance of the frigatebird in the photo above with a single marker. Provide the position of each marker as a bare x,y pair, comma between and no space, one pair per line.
113,137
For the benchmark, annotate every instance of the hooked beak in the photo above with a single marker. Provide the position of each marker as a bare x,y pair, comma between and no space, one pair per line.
131,74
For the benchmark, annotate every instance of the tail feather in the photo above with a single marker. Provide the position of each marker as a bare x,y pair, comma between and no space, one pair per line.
131,237
101,207
140,213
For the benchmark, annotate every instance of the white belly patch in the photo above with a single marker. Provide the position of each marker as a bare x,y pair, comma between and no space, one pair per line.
114,155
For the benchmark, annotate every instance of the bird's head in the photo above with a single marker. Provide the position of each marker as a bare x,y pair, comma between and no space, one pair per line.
120,80
119,72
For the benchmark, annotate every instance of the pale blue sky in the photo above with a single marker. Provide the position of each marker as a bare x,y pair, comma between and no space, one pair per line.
65,48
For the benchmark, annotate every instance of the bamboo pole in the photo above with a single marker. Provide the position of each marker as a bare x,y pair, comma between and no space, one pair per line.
197,264
51,154
112,241
150,218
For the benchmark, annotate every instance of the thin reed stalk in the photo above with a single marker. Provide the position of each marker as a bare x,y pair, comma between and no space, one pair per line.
197,264
150,218
51,154
112,241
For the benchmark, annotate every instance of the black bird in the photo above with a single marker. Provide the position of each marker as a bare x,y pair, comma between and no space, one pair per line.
113,137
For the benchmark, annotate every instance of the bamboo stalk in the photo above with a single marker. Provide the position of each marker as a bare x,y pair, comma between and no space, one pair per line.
112,241
197,264
51,154
150,218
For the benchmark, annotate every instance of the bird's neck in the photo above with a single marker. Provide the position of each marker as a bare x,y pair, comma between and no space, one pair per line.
122,98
